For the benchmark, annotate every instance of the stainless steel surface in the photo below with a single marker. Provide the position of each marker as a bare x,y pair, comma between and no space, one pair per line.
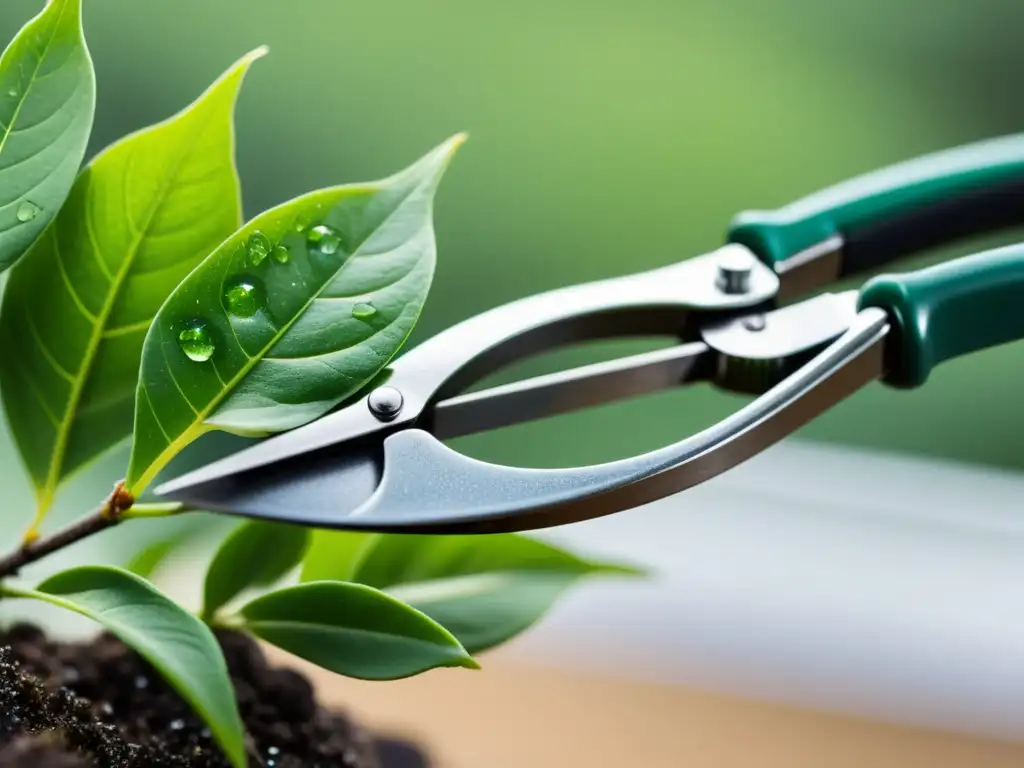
426,486
810,269
385,403
661,301
753,357
571,390
735,264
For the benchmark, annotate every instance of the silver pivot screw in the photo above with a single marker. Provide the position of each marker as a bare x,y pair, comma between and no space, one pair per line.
385,403
735,266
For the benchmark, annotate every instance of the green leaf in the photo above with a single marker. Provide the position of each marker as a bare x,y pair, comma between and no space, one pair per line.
353,630
142,215
145,562
310,323
47,103
255,554
334,555
484,589
176,643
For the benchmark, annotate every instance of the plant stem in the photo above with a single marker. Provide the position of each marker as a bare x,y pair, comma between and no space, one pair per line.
154,509
108,514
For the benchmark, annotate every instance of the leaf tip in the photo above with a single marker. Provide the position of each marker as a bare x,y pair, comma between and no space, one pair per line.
256,53
468,662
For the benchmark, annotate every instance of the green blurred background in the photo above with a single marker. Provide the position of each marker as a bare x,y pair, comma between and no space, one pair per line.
605,138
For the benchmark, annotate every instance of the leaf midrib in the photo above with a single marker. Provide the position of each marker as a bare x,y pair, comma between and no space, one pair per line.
32,80
99,329
197,427
369,633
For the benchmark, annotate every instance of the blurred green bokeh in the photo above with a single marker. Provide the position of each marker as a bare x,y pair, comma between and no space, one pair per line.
605,138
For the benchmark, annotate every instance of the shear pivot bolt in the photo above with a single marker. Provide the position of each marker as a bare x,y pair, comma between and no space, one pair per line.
755,323
735,267
385,403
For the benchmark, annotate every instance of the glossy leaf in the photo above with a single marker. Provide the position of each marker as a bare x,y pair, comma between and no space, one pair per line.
484,589
255,554
353,630
142,215
334,555
47,103
258,340
176,643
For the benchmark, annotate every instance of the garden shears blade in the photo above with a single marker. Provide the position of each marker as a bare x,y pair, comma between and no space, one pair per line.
379,463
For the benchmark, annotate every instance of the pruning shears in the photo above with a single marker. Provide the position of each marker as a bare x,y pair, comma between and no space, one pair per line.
379,462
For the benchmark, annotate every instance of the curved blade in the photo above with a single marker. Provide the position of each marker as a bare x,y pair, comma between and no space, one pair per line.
309,488
411,482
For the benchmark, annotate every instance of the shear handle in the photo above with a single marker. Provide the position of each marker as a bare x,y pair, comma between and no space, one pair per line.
874,219
949,310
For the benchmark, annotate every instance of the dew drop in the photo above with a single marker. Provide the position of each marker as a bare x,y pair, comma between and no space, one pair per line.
273,751
196,342
27,211
257,248
363,311
281,254
243,297
177,725
12,92
323,240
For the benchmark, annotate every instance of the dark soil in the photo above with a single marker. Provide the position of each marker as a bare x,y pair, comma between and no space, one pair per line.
98,704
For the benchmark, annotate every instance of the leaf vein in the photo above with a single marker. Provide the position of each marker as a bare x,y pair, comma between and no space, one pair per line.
32,79
42,347
67,280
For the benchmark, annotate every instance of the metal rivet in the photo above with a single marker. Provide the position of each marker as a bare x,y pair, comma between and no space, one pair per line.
385,403
735,267
754,323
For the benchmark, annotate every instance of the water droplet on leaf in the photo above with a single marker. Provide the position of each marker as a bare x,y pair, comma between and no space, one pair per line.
243,297
363,311
12,91
27,211
324,240
258,248
281,254
196,342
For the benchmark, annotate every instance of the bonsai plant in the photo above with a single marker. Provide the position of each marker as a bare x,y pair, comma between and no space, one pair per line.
166,317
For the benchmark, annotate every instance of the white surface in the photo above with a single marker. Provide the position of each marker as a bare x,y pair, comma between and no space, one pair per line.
877,585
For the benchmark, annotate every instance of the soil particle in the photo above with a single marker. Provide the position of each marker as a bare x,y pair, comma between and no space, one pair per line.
71,705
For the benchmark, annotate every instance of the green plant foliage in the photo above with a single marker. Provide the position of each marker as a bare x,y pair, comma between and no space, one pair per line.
255,554
47,103
143,214
147,560
176,643
484,589
334,555
292,314
353,630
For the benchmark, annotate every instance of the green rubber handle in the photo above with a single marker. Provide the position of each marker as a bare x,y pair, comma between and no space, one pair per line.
949,310
890,213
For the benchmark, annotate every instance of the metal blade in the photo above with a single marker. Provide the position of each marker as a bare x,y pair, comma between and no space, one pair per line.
312,489
533,398
412,482
571,390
